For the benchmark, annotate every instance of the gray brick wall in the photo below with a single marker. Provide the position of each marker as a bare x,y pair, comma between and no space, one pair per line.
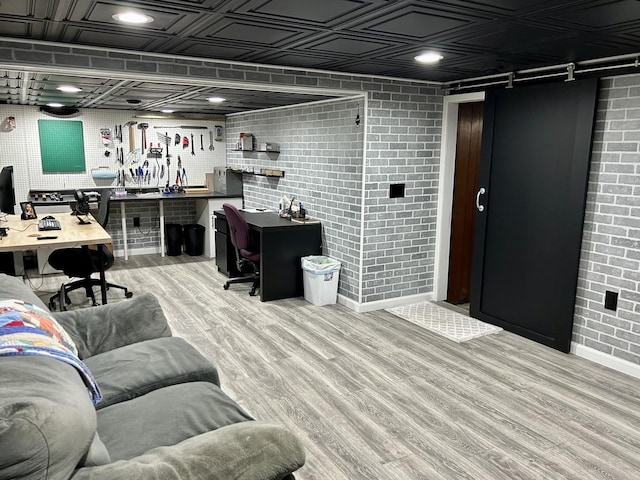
403,146
148,234
321,154
611,239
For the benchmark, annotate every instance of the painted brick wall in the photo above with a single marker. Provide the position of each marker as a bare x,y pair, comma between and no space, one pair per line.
321,154
611,239
147,236
403,146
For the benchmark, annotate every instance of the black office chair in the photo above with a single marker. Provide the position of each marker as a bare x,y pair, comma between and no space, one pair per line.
247,255
82,262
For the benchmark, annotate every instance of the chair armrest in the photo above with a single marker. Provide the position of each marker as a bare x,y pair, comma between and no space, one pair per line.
242,451
100,329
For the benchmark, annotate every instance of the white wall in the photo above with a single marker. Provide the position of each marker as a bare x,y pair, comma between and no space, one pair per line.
21,148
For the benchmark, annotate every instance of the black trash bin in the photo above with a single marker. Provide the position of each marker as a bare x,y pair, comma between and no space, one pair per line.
193,239
173,238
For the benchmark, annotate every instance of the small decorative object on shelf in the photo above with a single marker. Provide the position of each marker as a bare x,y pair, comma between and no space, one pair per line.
268,147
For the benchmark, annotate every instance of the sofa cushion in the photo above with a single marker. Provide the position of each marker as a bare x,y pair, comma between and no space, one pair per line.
165,417
47,420
132,371
96,455
13,287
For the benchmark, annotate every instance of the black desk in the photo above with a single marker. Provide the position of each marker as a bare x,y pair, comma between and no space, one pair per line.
282,244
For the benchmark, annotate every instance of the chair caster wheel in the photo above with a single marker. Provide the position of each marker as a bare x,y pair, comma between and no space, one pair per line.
128,294
252,293
226,286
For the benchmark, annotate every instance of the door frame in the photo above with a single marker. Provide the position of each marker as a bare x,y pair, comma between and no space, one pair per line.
450,105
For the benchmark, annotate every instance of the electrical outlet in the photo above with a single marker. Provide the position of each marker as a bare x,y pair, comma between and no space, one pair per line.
610,300
136,221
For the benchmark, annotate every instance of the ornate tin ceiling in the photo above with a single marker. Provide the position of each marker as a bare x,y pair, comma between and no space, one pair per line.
371,37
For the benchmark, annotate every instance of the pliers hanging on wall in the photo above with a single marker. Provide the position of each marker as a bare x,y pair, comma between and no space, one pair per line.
181,176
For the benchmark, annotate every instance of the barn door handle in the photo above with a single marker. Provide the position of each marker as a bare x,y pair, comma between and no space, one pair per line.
482,191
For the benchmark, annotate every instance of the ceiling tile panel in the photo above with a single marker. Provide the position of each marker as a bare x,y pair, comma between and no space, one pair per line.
348,46
263,35
416,23
510,37
197,49
102,12
298,60
14,29
604,14
317,11
13,7
109,39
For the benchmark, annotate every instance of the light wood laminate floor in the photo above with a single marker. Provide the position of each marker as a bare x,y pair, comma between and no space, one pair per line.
375,397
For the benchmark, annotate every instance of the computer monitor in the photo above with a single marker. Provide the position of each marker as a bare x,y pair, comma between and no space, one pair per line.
7,195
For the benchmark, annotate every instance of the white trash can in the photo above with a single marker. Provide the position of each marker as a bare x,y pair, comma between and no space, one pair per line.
320,279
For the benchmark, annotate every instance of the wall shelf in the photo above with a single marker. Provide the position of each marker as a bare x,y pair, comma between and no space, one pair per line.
267,173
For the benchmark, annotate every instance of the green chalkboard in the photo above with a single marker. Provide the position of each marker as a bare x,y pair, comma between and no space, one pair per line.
61,145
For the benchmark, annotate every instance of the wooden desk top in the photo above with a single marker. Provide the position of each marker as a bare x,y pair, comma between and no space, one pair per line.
22,234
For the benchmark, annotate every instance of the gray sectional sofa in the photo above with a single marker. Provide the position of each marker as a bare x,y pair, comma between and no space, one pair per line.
162,413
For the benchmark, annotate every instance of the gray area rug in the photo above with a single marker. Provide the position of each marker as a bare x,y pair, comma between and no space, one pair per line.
445,322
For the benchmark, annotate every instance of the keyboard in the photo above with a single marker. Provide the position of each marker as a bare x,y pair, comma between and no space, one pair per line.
48,224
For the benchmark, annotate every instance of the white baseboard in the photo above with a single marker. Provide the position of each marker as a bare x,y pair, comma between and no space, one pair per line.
382,304
605,359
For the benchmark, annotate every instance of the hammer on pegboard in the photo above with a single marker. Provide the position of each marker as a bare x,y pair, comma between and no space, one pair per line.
132,136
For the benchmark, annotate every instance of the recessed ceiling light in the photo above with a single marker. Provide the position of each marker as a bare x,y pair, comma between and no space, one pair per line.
166,110
132,17
216,99
429,57
55,105
69,89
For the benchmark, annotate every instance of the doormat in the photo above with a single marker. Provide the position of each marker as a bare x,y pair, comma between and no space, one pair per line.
445,322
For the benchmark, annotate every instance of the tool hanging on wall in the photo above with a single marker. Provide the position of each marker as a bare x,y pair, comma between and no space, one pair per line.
143,127
181,174
192,151
201,142
177,139
185,142
211,147
118,133
105,135
132,138
193,127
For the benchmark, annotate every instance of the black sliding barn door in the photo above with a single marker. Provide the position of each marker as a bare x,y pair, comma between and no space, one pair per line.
534,170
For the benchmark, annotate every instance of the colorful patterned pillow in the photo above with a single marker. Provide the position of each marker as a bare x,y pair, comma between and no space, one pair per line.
26,329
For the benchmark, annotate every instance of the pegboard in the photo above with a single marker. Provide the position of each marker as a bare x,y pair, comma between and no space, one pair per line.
21,149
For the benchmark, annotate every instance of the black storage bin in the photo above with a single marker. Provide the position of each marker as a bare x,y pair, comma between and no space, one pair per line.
173,238
193,239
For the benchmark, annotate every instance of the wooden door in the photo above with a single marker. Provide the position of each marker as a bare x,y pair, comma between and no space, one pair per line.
534,168
468,143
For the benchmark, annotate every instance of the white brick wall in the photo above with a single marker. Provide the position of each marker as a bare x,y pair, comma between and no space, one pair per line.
611,239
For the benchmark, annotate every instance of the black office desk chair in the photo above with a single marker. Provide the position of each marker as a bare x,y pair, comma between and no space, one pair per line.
247,255
82,262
